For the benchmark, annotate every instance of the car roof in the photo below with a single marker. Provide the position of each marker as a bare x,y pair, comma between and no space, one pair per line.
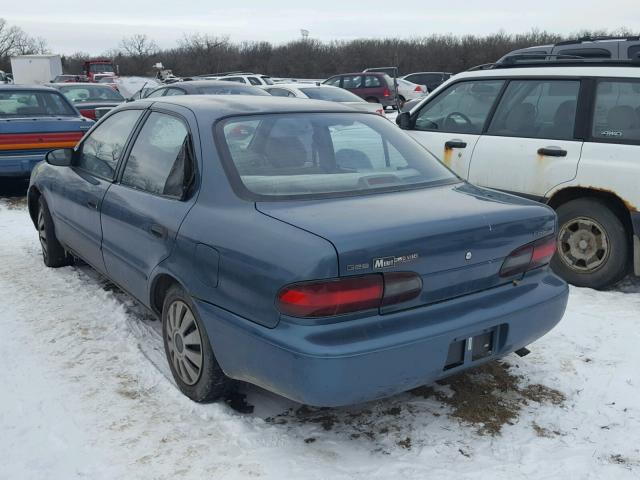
42,88
192,85
80,84
555,71
212,107
300,85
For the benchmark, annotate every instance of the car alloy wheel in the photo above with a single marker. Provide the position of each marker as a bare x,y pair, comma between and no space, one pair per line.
184,342
583,244
42,233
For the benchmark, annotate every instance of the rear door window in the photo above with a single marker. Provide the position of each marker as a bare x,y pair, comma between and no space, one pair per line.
371,81
102,149
617,111
160,160
352,81
461,108
537,109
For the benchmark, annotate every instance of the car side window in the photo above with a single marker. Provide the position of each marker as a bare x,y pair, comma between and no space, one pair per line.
461,108
161,160
371,81
101,150
334,82
174,91
280,92
234,79
157,93
617,111
537,109
254,81
352,81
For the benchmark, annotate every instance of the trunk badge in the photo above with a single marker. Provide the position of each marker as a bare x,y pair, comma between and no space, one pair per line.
468,256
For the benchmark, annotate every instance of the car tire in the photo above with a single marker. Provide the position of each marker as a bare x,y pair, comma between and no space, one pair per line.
401,102
53,253
186,344
593,245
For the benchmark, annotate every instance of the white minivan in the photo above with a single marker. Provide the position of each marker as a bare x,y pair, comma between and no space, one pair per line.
564,132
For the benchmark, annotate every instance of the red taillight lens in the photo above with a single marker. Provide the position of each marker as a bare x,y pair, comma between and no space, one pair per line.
530,256
337,296
418,88
89,113
386,93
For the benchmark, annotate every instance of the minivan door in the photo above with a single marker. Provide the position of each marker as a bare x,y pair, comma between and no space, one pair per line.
450,124
141,214
530,145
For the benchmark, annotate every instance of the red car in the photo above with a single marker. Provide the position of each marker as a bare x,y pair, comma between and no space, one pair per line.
372,86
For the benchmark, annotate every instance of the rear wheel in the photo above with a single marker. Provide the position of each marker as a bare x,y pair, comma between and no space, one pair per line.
593,246
53,253
191,359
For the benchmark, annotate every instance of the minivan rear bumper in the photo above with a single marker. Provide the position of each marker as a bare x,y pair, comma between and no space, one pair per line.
377,356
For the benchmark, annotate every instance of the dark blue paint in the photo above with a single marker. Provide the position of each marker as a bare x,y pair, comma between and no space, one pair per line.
233,256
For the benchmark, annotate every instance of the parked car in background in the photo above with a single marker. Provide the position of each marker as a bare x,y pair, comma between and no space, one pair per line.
391,71
89,98
108,80
33,120
432,80
246,78
603,47
142,93
409,91
371,268
564,132
373,87
64,78
205,87
323,92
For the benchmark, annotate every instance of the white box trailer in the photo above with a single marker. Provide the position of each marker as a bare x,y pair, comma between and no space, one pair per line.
35,69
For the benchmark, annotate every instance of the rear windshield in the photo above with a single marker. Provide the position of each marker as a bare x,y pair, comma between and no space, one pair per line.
323,154
230,89
25,103
90,93
331,94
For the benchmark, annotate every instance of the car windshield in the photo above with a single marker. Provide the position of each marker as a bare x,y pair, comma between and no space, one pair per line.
33,103
331,94
230,89
90,93
323,154
101,67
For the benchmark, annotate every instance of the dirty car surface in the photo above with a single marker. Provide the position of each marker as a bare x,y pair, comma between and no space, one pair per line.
300,246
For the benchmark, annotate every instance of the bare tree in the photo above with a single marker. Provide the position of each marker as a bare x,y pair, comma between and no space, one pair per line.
138,45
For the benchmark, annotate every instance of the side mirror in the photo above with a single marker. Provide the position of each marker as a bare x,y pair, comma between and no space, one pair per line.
404,121
60,158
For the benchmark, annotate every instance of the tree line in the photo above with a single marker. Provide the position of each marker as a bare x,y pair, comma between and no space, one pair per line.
304,58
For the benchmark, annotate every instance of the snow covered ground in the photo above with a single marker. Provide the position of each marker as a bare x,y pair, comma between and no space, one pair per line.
86,393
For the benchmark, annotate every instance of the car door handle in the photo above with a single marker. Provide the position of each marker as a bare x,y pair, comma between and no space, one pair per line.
552,152
92,204
158,230
455,144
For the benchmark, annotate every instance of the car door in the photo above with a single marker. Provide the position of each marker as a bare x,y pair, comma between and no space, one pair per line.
450,124
530,145
79,194
143,211
353,83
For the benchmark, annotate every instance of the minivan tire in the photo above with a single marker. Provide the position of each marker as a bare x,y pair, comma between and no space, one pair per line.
596,226
211,383
53,253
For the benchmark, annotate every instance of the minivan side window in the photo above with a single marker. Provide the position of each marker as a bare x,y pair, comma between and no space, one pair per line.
102,149
616,114
537,109
160,161
371,81
352,81
461,108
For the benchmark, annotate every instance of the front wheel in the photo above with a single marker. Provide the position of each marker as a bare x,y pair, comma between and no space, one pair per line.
191,359
593,246
53,253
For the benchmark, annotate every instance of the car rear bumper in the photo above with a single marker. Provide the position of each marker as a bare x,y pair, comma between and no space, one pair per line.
19,165
359,360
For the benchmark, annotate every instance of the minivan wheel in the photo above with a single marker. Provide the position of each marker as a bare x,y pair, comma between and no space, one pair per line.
593,246
53,253
191,359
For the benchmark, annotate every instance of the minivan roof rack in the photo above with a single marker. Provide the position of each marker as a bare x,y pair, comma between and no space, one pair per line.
523,60
597,38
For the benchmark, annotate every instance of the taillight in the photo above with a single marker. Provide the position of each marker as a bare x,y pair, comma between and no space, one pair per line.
88,112
386,93
530,256
418,88
337,296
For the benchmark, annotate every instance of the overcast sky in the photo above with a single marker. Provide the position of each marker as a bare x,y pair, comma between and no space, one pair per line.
95,26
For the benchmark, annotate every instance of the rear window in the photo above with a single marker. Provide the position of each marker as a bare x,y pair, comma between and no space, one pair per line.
231,89
323,154
25,103
330,94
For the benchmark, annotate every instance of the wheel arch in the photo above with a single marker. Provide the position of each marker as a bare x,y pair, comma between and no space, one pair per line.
160,285
33,195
